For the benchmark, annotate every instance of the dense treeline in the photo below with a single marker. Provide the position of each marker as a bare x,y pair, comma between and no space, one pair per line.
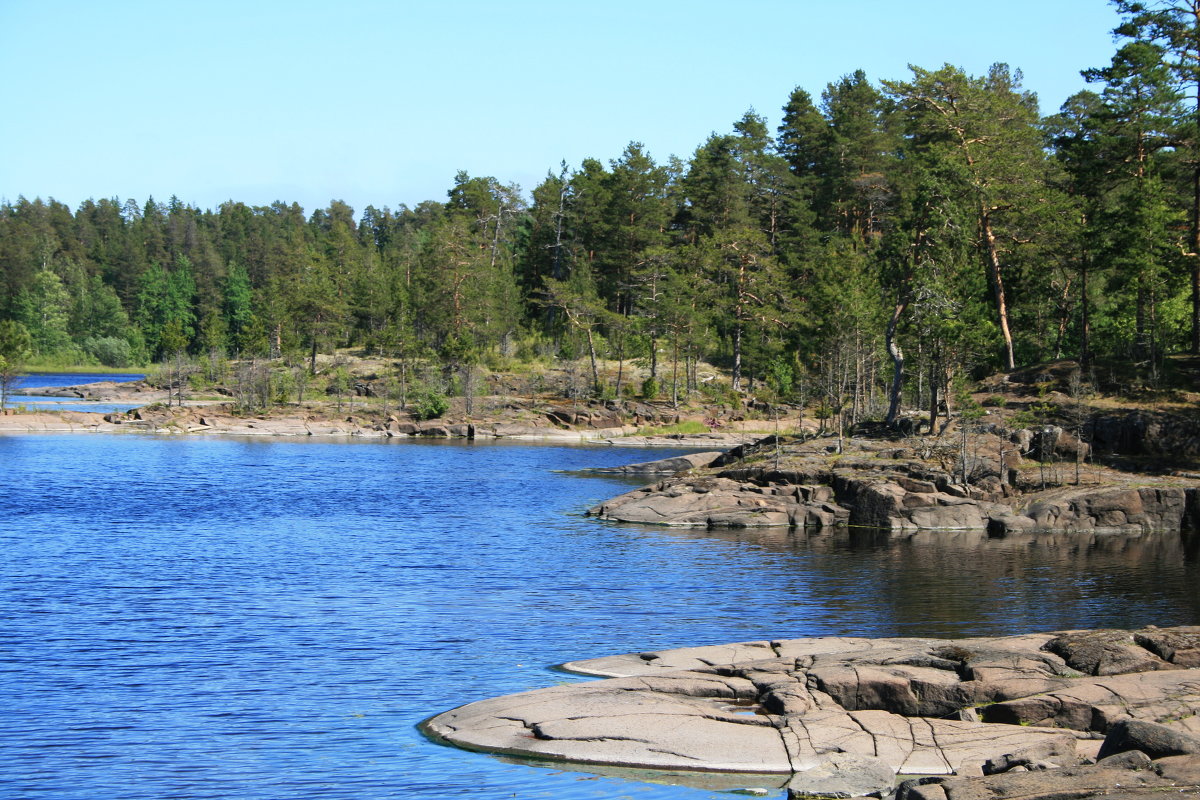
882,240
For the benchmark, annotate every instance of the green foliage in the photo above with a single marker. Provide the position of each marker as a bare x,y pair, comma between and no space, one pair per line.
172,338
686,428
237,298
283,385
165,312
720,393
935,218
968,407
781,377
650,388
44,308
111,351
429,405
16,345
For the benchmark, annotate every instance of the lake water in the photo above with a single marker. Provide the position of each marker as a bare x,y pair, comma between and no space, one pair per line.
34,402
43,379
214,618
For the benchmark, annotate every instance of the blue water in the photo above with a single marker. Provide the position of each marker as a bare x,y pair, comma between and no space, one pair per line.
34,402
43,379
214,618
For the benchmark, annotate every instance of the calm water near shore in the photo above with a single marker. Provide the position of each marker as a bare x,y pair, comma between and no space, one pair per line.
42,380
219,618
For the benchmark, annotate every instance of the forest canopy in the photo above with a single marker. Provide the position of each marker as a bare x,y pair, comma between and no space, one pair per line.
929,225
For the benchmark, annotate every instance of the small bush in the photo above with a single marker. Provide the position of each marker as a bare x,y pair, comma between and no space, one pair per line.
111,351
781,377
283,385
650,388
430,405
720,392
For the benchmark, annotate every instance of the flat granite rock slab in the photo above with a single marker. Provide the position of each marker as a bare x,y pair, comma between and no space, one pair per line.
911,745
648,663
796,706
611,723
669,660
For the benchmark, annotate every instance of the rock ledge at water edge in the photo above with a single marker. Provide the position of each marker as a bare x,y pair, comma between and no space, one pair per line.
844,716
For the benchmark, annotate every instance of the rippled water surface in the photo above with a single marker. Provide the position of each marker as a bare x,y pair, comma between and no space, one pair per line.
214,618
43,380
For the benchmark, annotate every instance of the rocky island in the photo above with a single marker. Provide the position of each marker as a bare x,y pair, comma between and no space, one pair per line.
800,484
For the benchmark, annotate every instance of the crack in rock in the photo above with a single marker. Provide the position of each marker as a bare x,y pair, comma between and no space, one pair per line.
677,715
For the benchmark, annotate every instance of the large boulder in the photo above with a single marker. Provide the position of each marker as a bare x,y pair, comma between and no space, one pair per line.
664,466
1112,509
710,502
1173,438
1106,652
1094,704
1156,741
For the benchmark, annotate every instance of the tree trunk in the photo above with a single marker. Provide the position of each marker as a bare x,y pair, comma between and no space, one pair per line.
897,354
620,369
1085,322
1141,336
675,371
933,395
737,357
592,355
1195,248
993,256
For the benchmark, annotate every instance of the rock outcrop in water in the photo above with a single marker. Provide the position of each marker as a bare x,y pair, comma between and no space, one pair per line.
844,716
877,485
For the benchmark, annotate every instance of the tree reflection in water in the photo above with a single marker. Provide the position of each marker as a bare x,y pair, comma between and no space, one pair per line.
964,583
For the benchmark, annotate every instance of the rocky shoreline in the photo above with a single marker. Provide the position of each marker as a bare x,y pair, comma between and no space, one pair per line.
1012,480
526,421
1068,714
875,484
206,421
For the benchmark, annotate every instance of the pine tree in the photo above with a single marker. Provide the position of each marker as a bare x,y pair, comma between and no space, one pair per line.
1174,27
985,130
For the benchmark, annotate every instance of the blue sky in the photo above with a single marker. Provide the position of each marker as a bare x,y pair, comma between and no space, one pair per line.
383,102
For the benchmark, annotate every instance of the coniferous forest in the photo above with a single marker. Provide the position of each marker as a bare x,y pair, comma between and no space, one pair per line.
885,238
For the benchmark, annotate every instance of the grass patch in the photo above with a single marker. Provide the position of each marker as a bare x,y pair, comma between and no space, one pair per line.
689,426
86,369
